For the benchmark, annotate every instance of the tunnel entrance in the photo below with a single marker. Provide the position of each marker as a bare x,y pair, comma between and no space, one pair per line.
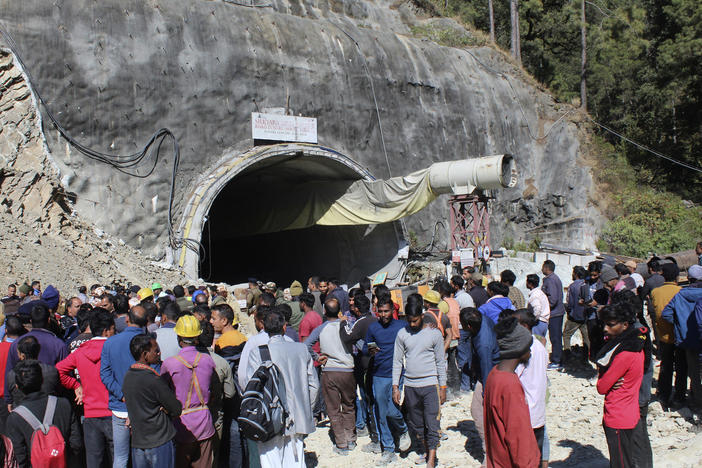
243,231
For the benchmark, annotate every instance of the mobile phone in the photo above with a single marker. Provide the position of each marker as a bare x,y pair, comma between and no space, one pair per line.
372,344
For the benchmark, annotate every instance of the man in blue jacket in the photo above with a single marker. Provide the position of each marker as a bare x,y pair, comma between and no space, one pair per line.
553,288
684,311
485,353
498,301
380,344
115,361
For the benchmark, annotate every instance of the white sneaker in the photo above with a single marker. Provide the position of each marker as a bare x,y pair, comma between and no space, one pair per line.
405,442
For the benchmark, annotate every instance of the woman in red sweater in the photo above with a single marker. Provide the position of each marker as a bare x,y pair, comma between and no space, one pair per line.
620,363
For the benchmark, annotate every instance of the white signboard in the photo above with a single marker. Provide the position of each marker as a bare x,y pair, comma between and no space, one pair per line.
467,258
283,128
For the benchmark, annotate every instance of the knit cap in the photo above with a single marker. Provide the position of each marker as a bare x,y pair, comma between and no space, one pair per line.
513,339
695,272
50,296
608,274
25,289
295,288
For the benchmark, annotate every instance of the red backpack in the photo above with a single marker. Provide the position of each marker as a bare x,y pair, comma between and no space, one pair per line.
48,446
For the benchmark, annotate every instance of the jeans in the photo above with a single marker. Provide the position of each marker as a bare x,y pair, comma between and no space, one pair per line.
464,357
453,373
97,434
387,413
555,334
231,449
120,439
158,457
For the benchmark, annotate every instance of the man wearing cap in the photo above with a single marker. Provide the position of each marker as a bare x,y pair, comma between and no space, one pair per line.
438,319
509,438
294,304
481,357
638,279
24,294
694,276
684,311
252,294
145,295
190,374
476,289
156,289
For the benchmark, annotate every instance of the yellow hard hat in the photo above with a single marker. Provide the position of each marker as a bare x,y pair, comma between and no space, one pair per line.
444,307
188,327
432,297
144,293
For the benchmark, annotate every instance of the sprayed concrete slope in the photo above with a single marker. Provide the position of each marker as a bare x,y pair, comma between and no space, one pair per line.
115,71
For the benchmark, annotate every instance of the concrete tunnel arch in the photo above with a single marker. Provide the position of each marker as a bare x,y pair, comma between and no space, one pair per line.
224,195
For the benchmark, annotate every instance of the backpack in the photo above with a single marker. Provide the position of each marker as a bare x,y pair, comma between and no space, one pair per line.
48,446
263,414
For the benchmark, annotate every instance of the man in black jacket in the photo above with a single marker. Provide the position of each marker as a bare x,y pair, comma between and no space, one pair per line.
28,378
151,405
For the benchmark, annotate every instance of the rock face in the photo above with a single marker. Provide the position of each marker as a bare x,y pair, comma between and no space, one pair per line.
114,71
41,237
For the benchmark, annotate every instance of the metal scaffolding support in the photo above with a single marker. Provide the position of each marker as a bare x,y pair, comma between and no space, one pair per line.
470,223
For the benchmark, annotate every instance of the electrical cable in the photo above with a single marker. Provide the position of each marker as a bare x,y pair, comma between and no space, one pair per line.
516,98
151,150
642,147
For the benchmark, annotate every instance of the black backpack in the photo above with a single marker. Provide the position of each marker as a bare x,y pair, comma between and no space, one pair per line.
263,414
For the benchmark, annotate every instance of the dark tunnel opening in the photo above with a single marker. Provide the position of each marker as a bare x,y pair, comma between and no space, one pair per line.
237,238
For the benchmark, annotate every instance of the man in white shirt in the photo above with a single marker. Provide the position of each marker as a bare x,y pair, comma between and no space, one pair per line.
538,304
462,297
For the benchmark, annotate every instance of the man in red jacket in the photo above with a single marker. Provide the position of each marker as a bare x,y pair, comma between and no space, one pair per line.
620,362
90,391
509,438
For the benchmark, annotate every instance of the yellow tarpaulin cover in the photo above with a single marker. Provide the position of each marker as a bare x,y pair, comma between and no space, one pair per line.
337,203
380,201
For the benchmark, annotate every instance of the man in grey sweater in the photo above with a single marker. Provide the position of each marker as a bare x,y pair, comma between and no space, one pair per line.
421,349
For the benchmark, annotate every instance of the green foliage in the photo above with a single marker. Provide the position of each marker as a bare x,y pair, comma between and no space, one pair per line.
447,36
644,71
653,222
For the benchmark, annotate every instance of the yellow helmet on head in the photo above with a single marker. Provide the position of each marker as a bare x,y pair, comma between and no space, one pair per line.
432,297
188,327
145,293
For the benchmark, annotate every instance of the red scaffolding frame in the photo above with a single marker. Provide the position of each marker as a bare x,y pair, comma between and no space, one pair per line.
470,222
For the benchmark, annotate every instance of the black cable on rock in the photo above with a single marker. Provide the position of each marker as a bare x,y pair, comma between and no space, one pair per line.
122,163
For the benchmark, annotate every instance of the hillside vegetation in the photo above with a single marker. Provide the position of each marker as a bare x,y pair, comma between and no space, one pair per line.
644,81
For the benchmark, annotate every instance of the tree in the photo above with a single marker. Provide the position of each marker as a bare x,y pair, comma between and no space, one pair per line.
515,46
583,60
492,21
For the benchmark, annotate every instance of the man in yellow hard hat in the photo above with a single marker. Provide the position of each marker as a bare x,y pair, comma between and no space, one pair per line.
190,374
436,317
145,295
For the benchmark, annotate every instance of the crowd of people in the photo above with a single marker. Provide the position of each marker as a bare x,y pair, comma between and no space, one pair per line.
157,377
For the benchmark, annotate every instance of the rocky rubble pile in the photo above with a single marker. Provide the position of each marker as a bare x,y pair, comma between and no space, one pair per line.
41,236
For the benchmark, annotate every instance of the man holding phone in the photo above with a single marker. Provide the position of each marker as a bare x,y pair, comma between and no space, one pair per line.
380,345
